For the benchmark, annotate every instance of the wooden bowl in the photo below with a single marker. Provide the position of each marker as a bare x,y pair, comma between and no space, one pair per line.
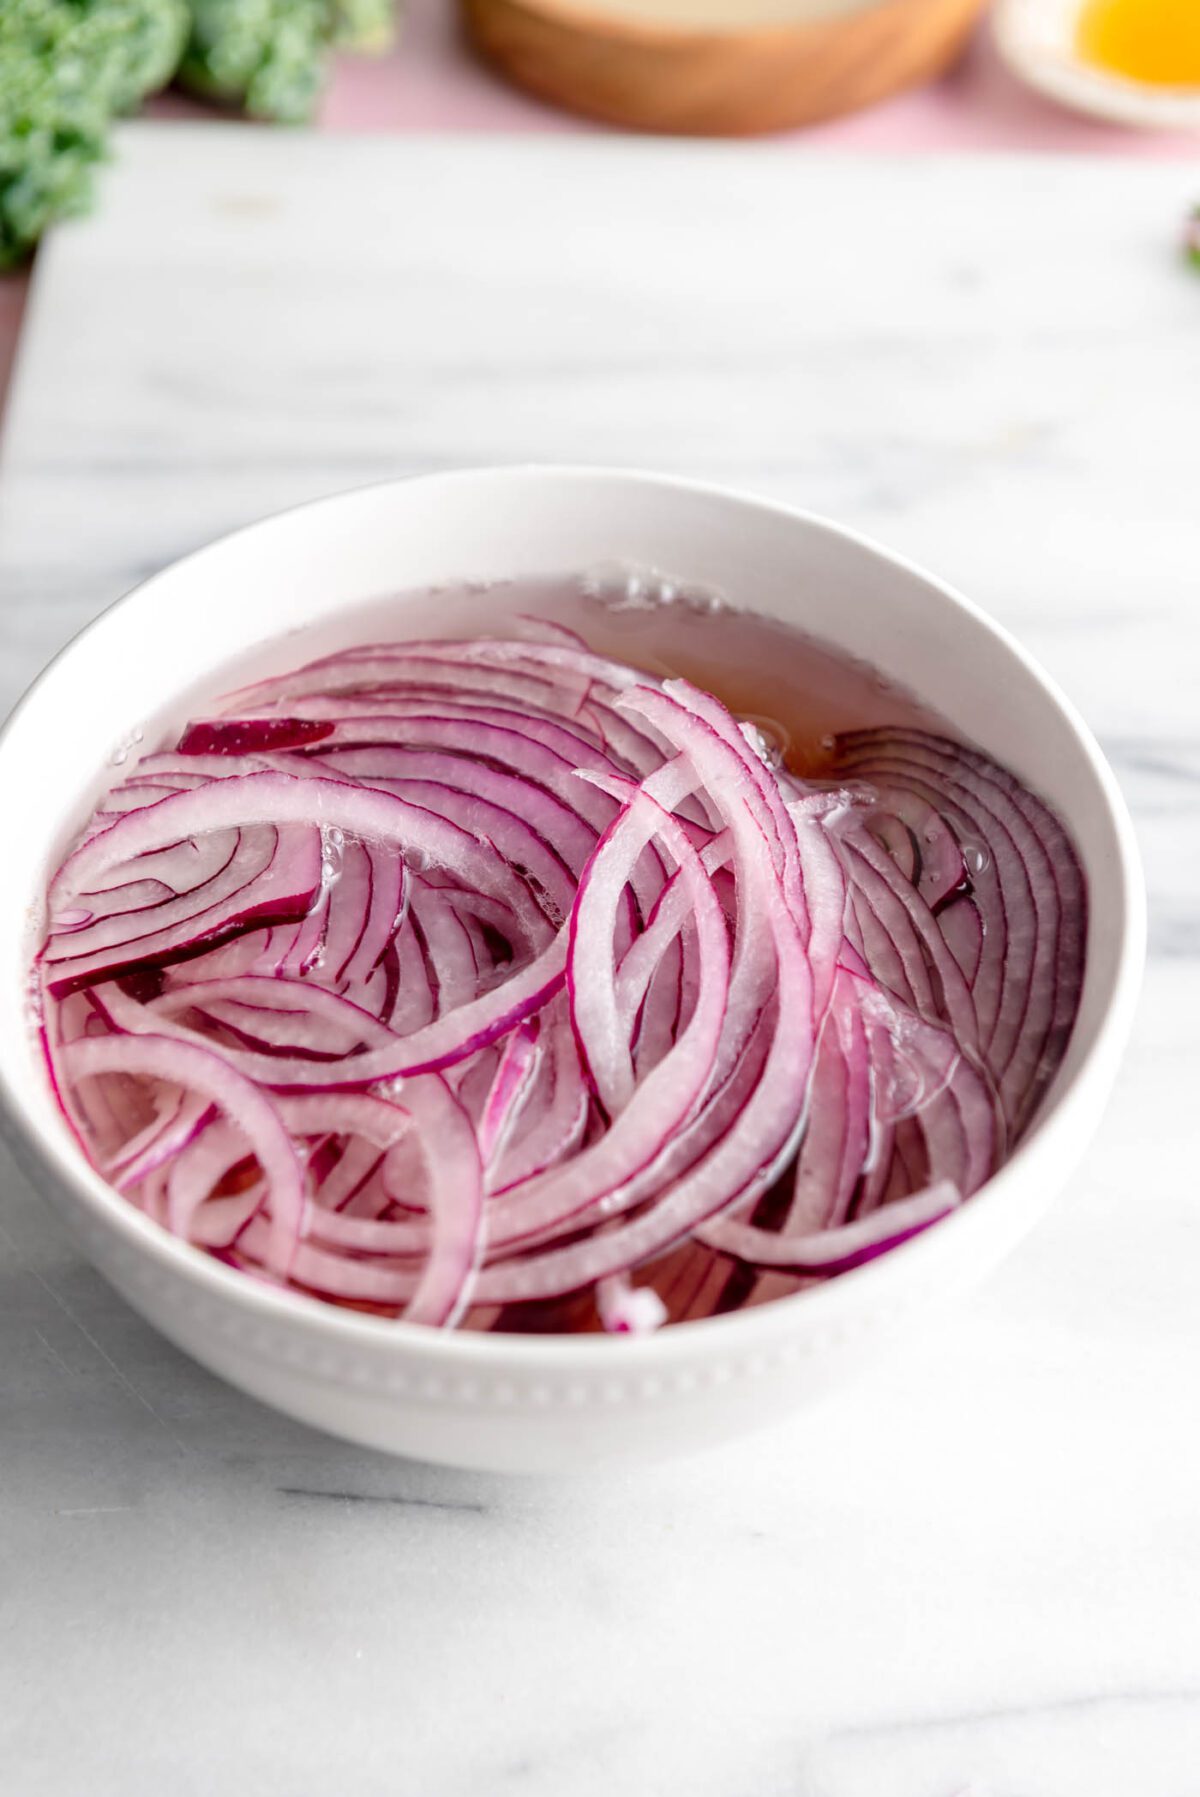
718,67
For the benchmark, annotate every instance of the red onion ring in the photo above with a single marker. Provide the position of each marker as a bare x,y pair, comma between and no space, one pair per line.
457,979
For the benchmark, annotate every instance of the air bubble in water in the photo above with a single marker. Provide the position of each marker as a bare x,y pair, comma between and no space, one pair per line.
333,845
976,857
769,739
126,747
622,586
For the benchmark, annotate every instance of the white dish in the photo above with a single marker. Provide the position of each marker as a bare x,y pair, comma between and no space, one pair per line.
1036,38
278,592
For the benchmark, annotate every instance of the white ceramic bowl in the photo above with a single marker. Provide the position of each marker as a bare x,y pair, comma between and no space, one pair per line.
1036,38
547,1403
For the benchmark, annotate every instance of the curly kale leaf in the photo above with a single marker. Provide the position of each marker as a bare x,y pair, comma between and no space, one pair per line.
261,55
365,26
269,57
66,68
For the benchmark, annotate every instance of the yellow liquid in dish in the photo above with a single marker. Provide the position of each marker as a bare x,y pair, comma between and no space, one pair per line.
1155,41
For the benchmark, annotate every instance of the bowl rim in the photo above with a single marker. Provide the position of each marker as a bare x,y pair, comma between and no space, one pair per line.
480,1351
592,18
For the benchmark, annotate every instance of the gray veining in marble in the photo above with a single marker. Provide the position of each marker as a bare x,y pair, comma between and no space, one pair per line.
980,1570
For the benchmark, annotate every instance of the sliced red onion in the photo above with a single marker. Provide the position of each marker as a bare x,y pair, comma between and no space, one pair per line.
269,879
225,736
204,1071
474,979
835,1250
1023,926
160,1142
439,1044
508,1090
456,1201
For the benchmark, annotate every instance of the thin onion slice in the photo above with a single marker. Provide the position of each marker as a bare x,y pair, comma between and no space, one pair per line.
497,983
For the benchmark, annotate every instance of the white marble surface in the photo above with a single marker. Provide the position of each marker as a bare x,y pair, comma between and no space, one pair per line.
981,1569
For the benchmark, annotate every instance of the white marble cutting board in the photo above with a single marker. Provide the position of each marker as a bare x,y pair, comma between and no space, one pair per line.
981,1569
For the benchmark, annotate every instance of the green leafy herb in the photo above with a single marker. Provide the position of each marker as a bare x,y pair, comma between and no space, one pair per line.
67,67
270,57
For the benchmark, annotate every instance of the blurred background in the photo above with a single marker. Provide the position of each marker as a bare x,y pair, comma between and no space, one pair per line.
1103,76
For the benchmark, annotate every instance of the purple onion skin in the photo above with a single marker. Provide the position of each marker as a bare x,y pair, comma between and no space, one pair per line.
252,736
